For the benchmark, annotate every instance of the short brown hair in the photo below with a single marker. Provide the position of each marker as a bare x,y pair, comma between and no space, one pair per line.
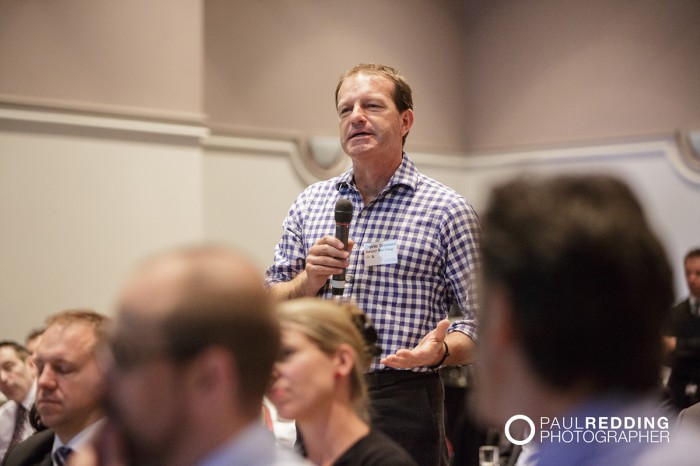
693,253
99,322
21,351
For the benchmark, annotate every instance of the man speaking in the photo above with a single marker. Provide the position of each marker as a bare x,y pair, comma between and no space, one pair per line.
412,253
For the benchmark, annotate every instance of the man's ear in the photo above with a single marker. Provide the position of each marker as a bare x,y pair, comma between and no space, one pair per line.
212,370
406,121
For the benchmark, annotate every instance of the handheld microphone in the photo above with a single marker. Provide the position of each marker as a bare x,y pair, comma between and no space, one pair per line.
343,216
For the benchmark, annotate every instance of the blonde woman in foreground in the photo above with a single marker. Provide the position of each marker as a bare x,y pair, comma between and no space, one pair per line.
319,382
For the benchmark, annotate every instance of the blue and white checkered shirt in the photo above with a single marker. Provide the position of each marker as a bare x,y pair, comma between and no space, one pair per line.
437,235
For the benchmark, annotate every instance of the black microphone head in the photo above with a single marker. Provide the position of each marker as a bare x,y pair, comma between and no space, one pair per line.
343,211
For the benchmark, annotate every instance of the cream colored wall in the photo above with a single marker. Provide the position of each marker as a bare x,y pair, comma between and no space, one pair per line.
246,194
81,200
127,56
100,163
274,65
105,156
549,72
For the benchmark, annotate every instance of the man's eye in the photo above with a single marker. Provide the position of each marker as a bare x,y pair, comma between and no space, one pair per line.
63,369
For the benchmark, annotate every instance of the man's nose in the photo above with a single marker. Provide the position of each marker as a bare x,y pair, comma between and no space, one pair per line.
357,114
47,377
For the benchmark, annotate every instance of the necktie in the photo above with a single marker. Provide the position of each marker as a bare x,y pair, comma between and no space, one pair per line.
695,308
20,419
60,456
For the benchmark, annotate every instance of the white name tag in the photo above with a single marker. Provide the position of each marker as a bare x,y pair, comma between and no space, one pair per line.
381,253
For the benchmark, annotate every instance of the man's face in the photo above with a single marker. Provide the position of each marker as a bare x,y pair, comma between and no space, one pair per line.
16,375
501,366
144,383
692,275
70,382
370,124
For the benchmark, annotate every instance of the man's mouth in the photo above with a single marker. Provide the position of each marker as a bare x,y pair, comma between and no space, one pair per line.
359,134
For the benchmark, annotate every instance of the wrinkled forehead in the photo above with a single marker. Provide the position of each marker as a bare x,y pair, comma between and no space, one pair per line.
366,83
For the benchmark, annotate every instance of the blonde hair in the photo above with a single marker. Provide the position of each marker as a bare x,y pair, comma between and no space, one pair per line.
328,324
97,321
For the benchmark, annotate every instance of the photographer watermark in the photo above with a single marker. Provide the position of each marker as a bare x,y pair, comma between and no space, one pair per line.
593,429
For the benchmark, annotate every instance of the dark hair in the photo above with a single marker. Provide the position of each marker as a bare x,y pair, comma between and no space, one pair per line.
213,312
589,281
693,253
403,96
35,332
21,351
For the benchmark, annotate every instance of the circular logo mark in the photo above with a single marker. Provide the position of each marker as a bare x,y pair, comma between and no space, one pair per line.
526,439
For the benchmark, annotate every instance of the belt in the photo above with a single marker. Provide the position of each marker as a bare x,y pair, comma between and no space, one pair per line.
388,377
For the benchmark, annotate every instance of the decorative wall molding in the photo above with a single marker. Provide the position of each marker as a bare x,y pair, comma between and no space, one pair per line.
87,108
689,147
656,146
44,116
312,166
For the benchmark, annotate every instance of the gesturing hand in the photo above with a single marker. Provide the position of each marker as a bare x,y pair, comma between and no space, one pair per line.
428,352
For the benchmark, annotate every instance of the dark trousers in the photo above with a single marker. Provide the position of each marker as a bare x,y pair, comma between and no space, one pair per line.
410,408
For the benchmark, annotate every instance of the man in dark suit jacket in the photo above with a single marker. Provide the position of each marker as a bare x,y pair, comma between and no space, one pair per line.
683,339
70,388
35,451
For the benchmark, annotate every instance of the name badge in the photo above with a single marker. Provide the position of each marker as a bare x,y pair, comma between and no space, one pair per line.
381,253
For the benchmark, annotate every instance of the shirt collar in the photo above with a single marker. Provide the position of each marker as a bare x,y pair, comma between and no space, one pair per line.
254,443
31,395
81,439
405,175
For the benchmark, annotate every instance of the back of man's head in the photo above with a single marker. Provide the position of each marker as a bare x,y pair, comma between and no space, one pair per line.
588,280
210,297
225,305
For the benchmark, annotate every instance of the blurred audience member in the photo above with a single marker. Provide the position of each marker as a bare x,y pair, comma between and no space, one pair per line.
70,388
31,342
683,339
577,287
18,384
33,338
319,382
191,356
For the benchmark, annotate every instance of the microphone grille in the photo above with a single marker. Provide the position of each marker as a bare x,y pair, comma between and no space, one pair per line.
343,211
